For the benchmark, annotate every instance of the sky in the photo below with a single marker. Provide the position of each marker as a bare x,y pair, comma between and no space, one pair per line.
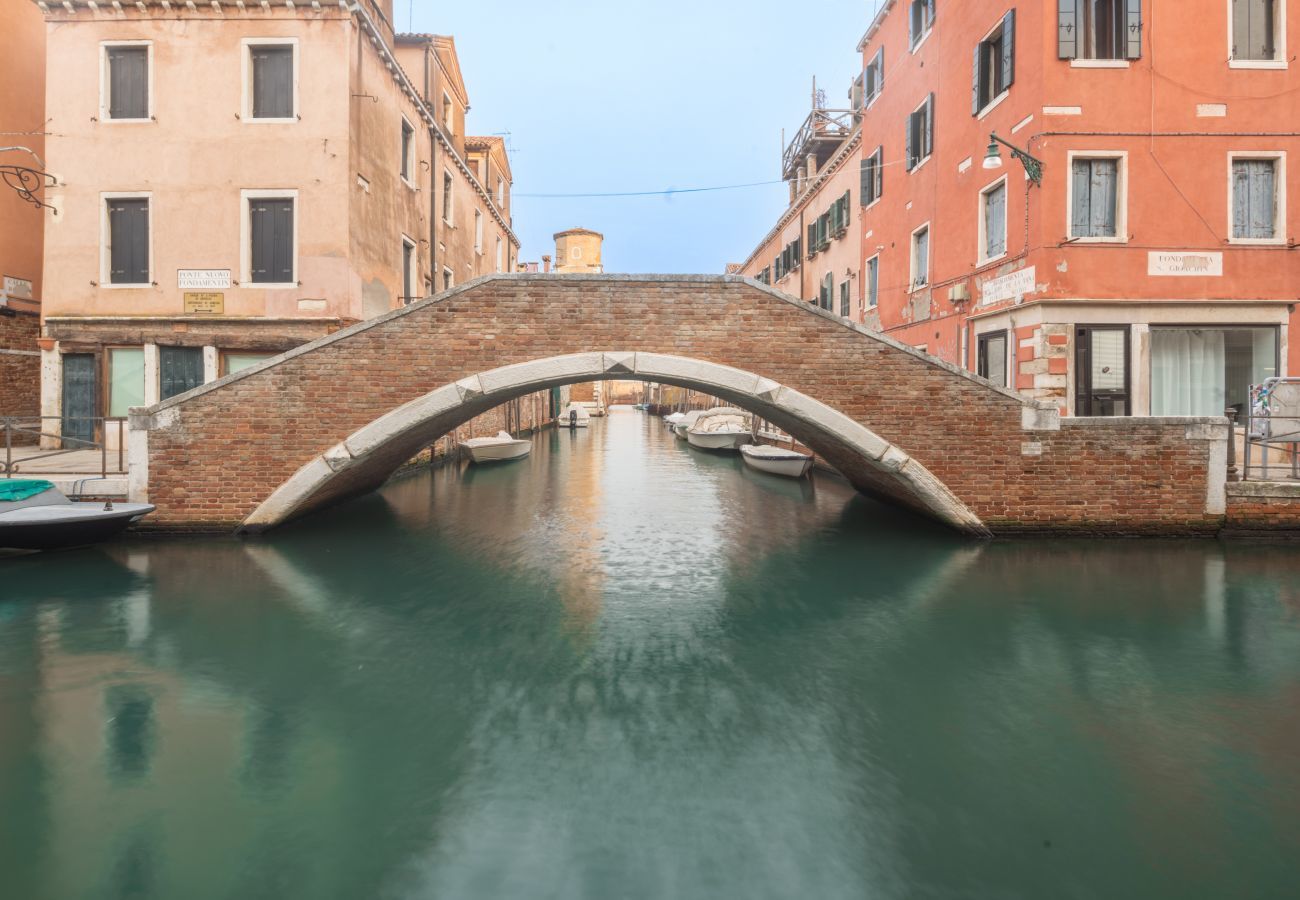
647,95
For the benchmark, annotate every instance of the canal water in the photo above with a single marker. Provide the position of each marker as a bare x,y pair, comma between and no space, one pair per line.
625,669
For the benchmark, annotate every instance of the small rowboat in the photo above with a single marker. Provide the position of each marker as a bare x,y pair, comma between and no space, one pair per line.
497,449
776,461
35,515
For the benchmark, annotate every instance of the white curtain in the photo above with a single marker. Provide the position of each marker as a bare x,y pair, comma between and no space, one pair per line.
1187,372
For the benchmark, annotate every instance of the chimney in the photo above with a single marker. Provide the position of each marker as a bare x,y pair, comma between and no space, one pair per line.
546,263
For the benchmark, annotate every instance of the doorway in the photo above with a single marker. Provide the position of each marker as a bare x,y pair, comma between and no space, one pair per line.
1101,371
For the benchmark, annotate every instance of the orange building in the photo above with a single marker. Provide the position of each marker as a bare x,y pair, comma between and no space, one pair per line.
22,143
1149,267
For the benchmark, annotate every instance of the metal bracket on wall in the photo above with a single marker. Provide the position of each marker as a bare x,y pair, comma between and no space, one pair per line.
26,182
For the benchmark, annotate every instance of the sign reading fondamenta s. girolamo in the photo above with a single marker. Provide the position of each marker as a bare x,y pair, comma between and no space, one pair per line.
1205,265
203,279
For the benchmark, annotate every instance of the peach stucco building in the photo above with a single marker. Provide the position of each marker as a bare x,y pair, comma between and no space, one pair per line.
1154,269
236,179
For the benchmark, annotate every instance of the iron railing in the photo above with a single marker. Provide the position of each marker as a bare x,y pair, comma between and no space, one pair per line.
1271,445
21,433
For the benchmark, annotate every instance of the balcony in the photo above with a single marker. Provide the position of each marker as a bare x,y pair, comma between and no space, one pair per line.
821,135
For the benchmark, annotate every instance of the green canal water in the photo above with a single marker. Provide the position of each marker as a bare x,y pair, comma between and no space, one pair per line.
624,669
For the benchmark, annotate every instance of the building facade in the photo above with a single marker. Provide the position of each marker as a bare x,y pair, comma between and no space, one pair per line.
235,180
1130,249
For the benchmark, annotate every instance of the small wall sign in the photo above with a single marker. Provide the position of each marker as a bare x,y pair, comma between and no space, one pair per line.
1202,265
203,279
1010,287
18,288
204,303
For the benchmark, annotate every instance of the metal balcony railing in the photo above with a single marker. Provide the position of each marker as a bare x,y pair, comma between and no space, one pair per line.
823,130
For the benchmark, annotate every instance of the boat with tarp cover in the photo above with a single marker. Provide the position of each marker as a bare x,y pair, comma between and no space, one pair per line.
35,515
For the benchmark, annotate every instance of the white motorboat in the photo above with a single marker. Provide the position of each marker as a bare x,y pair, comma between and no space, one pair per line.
35,515
673,418
575,415
776,460
497,449
688,419
722,428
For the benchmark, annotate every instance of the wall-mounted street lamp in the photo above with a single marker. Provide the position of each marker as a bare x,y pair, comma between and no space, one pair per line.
993,159
25,180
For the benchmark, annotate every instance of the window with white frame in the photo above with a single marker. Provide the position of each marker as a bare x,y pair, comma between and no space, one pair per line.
478,231
126,244
499,260
995,64
920,19
873,177
1258,194
993,221
844,299
409,274
873,81
501,193
448,279
407,150
1098,188
270,238
270,79
1099,29
448,119
448,207
1198,371
921,257
920,133
125,94
1257,33
873,282
991,357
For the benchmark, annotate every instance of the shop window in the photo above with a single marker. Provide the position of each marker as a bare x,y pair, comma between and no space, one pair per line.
1099,29
1101,371
180,369
995,64
1204,371
1256,210
991,357
125,379
236,361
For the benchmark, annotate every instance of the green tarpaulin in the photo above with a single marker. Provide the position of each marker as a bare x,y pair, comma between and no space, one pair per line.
12,489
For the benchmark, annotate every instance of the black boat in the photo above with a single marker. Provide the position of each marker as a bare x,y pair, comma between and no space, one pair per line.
35,515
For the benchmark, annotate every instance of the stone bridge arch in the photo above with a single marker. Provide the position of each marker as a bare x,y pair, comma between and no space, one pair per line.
368,456
325,420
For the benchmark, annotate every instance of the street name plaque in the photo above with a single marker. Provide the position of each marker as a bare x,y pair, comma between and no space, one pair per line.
203,279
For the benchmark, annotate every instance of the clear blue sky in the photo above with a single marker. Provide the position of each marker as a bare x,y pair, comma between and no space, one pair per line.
640,96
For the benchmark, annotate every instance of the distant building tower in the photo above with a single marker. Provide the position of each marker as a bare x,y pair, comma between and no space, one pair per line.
578,250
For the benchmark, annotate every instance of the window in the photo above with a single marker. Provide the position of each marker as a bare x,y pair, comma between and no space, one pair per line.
874,78
408,271
478,231
501,193
447,206
873,177
499,262
408,150
921,257
920,19
826,292
125,379
271,239
993,221
447,114
1097,198
128,241
991,357
857,96
920,133
873,282
765,276
1099,29
180,369
1257,195
1204,371
238,361
125,94
271,80
995,64
1101,371
447,279
1258,33
844,299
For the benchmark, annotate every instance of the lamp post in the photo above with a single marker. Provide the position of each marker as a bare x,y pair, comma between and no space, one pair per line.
993,159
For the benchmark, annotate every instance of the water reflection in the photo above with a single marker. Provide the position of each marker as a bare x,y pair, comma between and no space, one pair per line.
623,668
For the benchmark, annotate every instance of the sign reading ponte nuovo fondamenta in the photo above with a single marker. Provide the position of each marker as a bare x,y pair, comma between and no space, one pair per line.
203,279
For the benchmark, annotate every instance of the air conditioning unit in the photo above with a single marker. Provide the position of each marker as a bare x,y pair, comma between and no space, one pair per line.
959,293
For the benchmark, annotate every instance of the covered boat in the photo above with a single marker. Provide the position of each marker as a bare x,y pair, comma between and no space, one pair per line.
574,415
35,515
776,460
684,424
721,428
497,449
673,418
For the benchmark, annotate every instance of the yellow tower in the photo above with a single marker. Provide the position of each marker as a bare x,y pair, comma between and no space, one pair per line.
577,251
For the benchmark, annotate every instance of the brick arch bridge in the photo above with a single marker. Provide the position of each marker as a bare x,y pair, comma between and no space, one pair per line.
336,417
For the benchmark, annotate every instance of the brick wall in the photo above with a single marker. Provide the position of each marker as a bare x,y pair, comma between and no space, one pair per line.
1109,476
1263,506
20,365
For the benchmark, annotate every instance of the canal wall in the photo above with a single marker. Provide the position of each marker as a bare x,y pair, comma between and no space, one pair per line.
335,417
1263,508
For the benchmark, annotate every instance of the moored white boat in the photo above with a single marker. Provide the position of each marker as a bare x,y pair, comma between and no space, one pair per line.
683,425
673,418
722,428
497,449
776,460
35,515
575,415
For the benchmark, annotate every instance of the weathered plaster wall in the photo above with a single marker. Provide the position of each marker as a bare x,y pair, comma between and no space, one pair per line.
22,112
